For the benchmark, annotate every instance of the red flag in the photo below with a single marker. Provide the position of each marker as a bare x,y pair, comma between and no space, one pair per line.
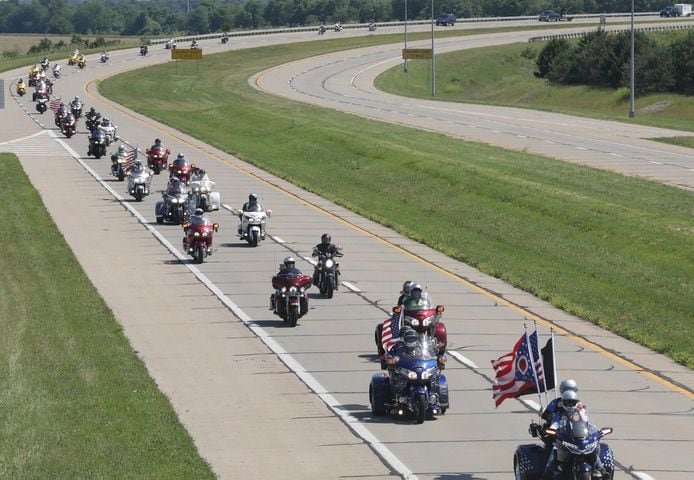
514,371
54,104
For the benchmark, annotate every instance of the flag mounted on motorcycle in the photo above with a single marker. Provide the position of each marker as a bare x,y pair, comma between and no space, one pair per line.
391,332
517,374
55,104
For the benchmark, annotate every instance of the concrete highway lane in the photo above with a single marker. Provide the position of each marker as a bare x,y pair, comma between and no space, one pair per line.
264,400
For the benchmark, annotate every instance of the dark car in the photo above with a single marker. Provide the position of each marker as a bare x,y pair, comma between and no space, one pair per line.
445,20
668,11
549,16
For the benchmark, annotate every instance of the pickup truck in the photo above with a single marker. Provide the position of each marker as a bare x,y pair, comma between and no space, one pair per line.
553,16
446,19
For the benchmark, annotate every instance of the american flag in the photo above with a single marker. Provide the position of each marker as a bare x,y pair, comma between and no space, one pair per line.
54,104
130,158
514,371
391,330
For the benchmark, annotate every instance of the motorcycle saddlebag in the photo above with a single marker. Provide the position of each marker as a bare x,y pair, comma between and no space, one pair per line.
215,201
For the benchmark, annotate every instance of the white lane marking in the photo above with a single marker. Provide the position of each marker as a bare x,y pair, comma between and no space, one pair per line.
581,148
277,239
521,136
463,360
654,162
310,260
351,287
548,141
9,142
615,154
337,408
533,405
642,476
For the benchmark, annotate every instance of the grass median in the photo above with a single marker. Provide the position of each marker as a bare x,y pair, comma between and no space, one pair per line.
615,250
75,401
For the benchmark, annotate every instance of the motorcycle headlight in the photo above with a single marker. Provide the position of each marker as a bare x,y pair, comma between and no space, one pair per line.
174,200
426,322
329,263
428,373
203,189
292,289
204,234
405,372
284,289
196,234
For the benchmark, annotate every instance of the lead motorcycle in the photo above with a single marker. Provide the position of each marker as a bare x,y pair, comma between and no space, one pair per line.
290,301
413,385
97,143
252,226
577,442
197,241
328,272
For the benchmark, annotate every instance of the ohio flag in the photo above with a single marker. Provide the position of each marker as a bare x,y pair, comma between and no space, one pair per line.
514,371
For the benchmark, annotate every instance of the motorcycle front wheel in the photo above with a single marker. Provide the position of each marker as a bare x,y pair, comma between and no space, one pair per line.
420,407
293,315
253,238
199,254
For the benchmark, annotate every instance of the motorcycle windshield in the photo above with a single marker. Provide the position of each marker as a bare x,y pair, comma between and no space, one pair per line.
424,350
196,220
257,208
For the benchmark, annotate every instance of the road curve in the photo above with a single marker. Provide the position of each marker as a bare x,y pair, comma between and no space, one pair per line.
344,81
254,395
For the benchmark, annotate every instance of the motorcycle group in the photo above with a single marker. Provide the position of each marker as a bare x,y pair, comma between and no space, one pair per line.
410,344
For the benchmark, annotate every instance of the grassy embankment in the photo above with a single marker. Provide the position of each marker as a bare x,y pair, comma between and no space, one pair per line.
503,75
617,251
75,401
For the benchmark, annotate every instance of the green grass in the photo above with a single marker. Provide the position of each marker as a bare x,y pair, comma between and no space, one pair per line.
615,250
75,401
503,75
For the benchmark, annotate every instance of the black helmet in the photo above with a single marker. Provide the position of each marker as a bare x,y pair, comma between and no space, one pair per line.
175,181
196,171
289,262
254,198
92,110
409,337
157,142
325,239
199,212
201,171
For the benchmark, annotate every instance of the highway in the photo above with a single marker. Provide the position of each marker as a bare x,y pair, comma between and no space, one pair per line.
265,401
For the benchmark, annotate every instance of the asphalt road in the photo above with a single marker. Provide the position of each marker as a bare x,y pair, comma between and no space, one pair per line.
263,400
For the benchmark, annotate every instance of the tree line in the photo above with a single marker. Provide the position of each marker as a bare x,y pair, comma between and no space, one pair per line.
602,59
192,17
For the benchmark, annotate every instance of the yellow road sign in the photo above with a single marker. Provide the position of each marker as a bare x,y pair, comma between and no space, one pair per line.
416,53
186,54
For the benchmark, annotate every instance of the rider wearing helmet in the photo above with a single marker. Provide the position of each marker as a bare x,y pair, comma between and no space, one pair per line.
416,299
405,293
174,187
288,267
252,205
199,175
555,405
324,249
157,145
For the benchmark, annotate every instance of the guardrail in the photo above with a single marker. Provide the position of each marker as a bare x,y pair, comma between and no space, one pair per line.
545,38
352,26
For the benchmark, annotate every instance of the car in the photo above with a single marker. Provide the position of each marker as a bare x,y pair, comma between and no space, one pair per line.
446,19
668,11
549,16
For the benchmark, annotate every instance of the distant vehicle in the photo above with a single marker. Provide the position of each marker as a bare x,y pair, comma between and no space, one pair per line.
446,19
682,9
553,16
667,11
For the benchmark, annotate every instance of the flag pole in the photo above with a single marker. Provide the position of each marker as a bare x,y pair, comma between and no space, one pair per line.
554,362
532,365
542,361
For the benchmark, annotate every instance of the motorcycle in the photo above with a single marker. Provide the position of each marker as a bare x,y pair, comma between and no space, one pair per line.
33,78
22,89
72,59
42,103
290,301
372,27
104,57
56,71
337,27
157,159
198,239
413,384
110,130
144,50
119,166
40,88
577,442
172,208
138,183
82,62
321,30
68,126
97,144
182,170
194,45
225,40
252,226
170,45
45,64
204,197
328,272
92,122
76,109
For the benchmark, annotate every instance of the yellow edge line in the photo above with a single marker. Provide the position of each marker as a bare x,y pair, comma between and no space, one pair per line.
582,341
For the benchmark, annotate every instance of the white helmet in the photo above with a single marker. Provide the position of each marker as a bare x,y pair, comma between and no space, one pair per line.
569,399
568,384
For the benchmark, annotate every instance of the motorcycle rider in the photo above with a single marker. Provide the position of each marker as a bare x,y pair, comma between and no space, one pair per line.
194,44
324,248
60,114
199,175
252,205
568,406
199,218
288,267
21,86
44,63
157,145
416,297
555,405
